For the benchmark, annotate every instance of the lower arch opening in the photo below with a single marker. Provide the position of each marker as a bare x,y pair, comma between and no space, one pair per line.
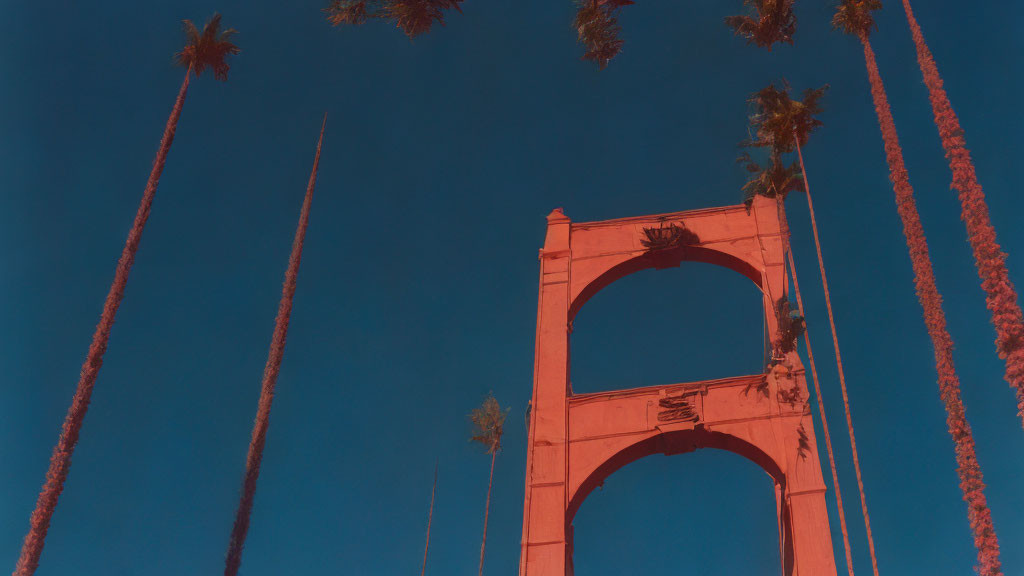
705,512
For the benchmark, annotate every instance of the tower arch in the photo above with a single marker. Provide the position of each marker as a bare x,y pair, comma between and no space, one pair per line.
651,326
576,440
680,501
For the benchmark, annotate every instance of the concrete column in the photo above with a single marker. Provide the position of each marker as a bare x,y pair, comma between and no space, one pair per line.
545,544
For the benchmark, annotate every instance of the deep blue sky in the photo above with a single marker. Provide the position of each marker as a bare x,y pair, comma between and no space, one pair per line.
417,293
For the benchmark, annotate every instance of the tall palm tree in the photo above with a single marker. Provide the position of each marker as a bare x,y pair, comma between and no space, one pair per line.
488,426
207,49
772,21
784,124
414,17
855,17
270,372
1000,295
597,26
777,181
430,519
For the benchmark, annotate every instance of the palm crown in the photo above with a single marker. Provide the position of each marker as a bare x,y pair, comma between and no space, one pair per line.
773,21
781,122
773,181
488,424
855,16
208,49
414,17
597,28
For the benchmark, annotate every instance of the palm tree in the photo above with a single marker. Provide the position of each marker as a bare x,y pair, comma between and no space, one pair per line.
597,28
855,17
414,17
785,124
776,180
207,49
773,21
488,426
430,519
782,123
270,371
1000,295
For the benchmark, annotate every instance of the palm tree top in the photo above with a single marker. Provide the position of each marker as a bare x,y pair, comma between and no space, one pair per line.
414,17
207,49
773,181
488,424
855,17
781,122
597,28
772,21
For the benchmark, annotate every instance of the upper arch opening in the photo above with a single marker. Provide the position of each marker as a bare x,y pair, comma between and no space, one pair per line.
661,260
694,322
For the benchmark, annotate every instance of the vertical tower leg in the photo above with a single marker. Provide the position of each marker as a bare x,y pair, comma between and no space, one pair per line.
545,546
812,542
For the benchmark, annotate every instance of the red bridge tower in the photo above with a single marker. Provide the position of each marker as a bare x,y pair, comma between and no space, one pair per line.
578,440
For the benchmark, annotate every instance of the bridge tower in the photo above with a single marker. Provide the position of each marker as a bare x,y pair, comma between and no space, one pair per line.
577,440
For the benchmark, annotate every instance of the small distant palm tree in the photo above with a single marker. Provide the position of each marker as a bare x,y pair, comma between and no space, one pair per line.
430,520
207,49
488,426
772,21
414,17
855,17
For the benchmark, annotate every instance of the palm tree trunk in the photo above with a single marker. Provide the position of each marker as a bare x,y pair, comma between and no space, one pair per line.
971,481
487,510
1000,295
270,371
430,519
817,386
60,461
839,361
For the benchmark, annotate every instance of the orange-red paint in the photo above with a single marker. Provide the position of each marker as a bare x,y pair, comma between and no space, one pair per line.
578,440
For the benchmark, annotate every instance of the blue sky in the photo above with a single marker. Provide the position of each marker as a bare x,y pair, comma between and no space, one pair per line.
417,293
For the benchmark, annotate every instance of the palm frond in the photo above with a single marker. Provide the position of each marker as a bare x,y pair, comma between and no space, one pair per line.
780,122
769,22
208,48
414,17
772,181
597,28
346,12
855,16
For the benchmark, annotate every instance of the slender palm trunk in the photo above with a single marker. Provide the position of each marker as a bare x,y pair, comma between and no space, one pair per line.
1000,295
839,360
817,386
430,519
60,461
971,481
270,371
487,510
